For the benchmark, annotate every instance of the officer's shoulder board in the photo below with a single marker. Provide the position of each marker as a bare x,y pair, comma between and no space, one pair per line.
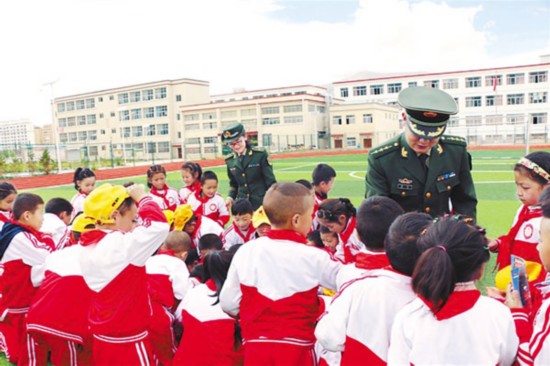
453,140
385,149
257,148
229,156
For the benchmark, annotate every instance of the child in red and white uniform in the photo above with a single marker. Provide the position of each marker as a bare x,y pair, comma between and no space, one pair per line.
442,324
113,265
241,230
195,226
272,282
22,250
191,175
531,176
358,322
168,280
208,332
323,176
84,182
7,197
374,217
207,202
339,216
56,322
167,198
56,219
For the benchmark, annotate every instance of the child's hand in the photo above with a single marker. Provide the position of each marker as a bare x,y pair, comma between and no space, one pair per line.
493,244
228,203
512,298
495,293
136,191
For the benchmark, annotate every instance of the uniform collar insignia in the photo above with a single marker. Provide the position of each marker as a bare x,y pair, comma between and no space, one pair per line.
404,152
439,149
405,181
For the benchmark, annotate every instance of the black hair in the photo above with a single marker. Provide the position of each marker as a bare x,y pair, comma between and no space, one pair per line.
453,250
207,175
331,208
209,242
322,173
242,206
26,202
315,236
154,169
545,206
542,159
216,266
401,241
58,205
197,271
233,249
193,168
80,174
192,257
545,195
305,183
6,189
374,217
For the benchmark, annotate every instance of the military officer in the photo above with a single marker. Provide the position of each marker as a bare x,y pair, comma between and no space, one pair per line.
249,168
421,169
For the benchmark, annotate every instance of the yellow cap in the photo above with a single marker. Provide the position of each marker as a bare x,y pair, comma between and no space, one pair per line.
182,215
80,222
169,214
260,217
504,276
103,200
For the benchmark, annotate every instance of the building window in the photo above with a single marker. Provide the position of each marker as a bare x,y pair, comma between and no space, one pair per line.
126,132
123,98
321,109
160,93
73,137
135,96
211,139
113,130
473,82
538,76
137,131
473,121
163,129
161,111
178,98
62,122
350,119
450,83
377,89
344,93
270,121
292,108
151,147
351,142
136,113
193,141
493,119
124,115
92,135
473,101
191,117
80,105
512,99
147,94
394,88
101,115
210,125
367,118
81,120
100,99
431,84
538,118
412,84
70,106
61,107
63,137
90,103
150,130
248,112
513,79
490,80
453,121
294,119
359,90
90,119
163,147
229,114
537,98
515,119
71,122
337,120
111,97
270,110
82,136
209,115
149,112
492,100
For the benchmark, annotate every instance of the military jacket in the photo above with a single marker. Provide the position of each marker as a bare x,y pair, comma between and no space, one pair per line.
251,177
394,170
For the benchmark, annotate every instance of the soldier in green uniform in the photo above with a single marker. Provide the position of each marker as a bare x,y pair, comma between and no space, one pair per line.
421,169
249,168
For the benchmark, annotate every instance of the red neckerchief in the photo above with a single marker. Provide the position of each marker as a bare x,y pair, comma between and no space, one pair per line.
459,302
155,192
371,261
277,234
195,186
169,252
82,193
344,237
42,237
92,237
211,284
249,233
4,218
321,196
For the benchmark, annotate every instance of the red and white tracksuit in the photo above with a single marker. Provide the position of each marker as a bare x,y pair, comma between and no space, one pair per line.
469,330
5,216
212,207
349,244
167,198
168,280
54,226
358,322
272,283
234,236
365,262
57,320
208,332
78,203
113,266
319,198
186,191
204,226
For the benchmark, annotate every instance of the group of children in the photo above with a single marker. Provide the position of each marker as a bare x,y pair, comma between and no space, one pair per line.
120,275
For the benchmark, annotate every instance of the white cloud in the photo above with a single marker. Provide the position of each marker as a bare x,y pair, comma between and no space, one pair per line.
98,44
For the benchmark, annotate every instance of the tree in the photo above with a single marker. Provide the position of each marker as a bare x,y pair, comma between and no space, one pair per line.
31,164
46,163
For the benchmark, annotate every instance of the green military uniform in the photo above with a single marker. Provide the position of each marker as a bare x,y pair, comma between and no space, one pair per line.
418,177
395,171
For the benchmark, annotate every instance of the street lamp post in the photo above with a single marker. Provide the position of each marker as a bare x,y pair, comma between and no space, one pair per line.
55,127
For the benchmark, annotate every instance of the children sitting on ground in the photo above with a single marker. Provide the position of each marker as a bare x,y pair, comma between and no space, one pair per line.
272,283
191,175
113,265
241,230
167,198
80,224
260,221
207,202
323,177
84,182
374,217
7,197
209,243
314,239
167,283
450,314
329,239
360,318
195,226
22,249
57,217
339,216
209,336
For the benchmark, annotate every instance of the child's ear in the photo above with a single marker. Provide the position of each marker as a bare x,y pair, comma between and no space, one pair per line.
295,219
342,219
114,215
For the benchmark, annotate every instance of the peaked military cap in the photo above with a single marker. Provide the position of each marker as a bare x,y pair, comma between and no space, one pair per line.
427,110
232,133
